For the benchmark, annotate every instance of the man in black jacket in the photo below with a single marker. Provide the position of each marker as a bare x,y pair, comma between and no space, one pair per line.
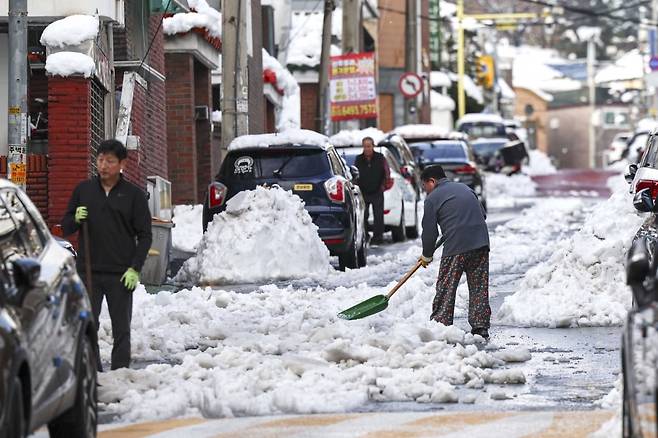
456,209
119,222
374,179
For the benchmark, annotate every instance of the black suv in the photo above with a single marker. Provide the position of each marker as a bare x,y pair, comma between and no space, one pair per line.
47,334
309,166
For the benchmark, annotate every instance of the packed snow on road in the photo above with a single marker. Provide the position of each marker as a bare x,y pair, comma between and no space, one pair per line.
281,349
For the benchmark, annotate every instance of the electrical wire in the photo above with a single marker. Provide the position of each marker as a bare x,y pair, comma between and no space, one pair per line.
594,14
155,34
291,37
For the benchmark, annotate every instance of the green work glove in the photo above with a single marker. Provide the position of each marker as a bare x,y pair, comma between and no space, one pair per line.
80,214
130,278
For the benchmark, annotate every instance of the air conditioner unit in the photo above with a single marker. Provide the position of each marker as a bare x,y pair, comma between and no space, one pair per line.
201,112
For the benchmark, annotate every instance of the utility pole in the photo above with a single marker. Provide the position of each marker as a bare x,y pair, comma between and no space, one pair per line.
323,95
17,93
235,71
411,57
461,98
591,58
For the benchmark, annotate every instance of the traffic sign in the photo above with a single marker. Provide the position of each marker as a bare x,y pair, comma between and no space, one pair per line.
653,63
410,85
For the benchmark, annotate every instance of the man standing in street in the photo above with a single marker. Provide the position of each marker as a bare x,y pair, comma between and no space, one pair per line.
119,228
456,209
374,179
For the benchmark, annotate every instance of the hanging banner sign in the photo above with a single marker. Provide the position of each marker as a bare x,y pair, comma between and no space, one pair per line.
352,86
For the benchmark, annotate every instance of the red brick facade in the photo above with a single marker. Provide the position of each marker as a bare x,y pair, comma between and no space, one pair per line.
202,97
309,103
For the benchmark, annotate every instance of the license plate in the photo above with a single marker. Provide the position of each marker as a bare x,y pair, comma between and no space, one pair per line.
303,187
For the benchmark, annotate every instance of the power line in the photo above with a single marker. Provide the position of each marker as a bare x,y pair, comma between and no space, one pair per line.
594,14
290,38
155,34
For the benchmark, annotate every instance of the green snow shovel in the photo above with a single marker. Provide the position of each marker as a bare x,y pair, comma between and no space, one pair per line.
379,302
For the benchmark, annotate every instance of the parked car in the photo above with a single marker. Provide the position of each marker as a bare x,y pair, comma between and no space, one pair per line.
644,174
635,146
400,200
500,154
305,163
47,332
481,125
405,158
458,161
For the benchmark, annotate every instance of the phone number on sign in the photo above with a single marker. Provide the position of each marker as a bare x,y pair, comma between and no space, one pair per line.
348,111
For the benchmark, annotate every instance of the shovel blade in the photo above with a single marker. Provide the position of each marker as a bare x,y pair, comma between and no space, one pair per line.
365,308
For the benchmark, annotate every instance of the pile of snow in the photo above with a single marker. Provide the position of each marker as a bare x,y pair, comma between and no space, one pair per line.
70,63
409,132
205,17
264,234
583,283
289,116
289,136
539,164
439,79
188,229
441,102
70,31
352,137
499,185
305,37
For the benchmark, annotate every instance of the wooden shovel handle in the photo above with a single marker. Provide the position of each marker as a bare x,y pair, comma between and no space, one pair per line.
404,279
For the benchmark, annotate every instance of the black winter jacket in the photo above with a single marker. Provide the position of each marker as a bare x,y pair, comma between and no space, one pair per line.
119,225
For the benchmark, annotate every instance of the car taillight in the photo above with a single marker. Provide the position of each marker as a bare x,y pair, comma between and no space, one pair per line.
467,168
335,188
647,184
216,194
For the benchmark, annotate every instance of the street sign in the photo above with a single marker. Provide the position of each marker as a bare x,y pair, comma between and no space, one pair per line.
410,85
352,86
653,63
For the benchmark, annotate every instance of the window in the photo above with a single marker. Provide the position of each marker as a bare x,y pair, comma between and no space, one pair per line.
26,228
616,119
336,163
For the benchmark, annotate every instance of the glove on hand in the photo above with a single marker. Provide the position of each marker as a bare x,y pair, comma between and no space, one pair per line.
80,214
130,278
424,261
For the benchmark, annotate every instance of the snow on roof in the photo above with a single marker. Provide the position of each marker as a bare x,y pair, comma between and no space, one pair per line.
70,63
440,102
349,137
530,69
470,87
542,94
422,131
561,84
439,79
646,125
205,17
289,136
480,118
505,90
290,115
305,38
70,31
629,66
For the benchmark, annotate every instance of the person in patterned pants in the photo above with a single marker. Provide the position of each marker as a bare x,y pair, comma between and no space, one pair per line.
455,208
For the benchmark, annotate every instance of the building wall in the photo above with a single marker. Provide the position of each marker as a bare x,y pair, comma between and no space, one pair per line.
538,118
568,136
309,105
391,33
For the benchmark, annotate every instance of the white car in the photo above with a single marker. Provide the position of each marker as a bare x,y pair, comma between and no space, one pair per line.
399,200
644,174
615,151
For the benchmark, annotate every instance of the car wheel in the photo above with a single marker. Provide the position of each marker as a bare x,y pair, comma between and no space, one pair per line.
350,258
16,423
81,420
412,231
362,254
399,231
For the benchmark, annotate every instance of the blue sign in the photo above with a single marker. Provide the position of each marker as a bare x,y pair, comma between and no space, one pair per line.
653,63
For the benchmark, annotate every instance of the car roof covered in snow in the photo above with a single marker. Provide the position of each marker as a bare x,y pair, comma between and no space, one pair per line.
490,140
353,137
302,137
426,131
480,118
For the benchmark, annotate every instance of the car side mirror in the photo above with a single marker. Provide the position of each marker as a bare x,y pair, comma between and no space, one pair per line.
630,173
26,273
643,202
638,267
355,172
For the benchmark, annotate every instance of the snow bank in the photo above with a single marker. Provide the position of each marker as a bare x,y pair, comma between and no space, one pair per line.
499,185
583,282
205,17
70,63
70,31
350,137
289,136
289,116
264,234
539,164
188,229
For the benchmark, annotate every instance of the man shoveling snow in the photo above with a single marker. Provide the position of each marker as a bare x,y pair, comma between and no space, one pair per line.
264,234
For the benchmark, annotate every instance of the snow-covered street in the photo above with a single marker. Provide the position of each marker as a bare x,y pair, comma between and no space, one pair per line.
277,347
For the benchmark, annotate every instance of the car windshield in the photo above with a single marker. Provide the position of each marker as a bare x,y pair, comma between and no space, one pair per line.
483,129
276,163
487,148
438,151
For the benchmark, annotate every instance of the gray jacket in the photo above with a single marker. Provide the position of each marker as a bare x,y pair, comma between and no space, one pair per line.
456,209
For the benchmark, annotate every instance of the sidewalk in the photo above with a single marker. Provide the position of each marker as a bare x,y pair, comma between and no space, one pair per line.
538,424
